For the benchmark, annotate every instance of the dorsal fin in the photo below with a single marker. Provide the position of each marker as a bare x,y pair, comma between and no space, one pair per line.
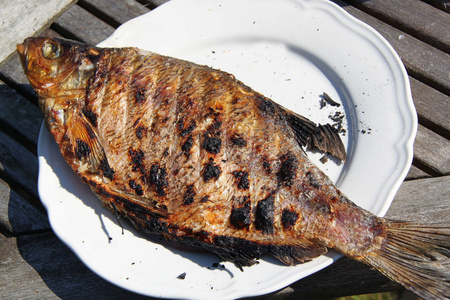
322,137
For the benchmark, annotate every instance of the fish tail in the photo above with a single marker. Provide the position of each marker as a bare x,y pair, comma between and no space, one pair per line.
416,256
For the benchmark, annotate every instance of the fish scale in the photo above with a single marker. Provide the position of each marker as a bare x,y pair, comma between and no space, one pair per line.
193,154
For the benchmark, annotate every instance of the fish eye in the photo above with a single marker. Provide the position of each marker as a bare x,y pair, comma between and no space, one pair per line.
51,50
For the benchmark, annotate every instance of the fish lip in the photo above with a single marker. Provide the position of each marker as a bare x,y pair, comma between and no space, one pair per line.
22,49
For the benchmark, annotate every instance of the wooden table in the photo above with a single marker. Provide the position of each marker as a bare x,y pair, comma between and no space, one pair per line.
35,264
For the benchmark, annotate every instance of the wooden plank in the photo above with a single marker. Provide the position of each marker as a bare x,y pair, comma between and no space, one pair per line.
151,4
422,200
416,173
432,150
23,18
119,11
77,23
17,215
423,61
18,164
432,107
414,17
441,4
20,115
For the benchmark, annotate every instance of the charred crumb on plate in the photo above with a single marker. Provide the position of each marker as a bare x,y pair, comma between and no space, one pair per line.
136,187
288,218
264,215
211,171
82,149
323,159
329,100
182,276
241,181
158,178
189,195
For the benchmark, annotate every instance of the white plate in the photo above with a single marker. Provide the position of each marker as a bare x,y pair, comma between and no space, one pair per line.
291,51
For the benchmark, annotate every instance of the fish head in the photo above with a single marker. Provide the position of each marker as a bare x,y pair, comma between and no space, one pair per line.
58,70
57,67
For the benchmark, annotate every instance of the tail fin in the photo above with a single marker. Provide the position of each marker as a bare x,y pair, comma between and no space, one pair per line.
416,256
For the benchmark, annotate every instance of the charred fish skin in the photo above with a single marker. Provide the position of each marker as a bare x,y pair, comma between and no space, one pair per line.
193,154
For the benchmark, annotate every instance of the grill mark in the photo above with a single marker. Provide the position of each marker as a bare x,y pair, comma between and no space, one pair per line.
288,169
158,179
211,171
241,181
137,160
189,195
288,218
240,216
136,187
264,215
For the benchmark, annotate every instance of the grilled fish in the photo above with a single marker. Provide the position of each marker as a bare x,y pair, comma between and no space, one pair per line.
193,154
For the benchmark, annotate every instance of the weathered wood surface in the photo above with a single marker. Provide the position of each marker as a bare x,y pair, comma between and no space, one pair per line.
31,253
23,18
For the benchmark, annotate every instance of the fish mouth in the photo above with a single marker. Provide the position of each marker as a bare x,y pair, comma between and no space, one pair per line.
22,49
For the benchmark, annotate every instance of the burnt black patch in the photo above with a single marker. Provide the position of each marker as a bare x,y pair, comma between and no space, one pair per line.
187,145
90,115
240,217
158,178
288,169
141,132
264,215
266,167
137,157
313,180
136,187
266,106
185,131
82,149
211,171
165,152
139,95
288,218
204,199
212,144
238,141
106,169
242,181
189,195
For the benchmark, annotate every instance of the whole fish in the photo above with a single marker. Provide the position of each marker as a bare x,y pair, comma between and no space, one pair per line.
195,155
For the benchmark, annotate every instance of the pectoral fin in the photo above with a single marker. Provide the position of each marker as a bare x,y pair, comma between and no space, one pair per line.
87,145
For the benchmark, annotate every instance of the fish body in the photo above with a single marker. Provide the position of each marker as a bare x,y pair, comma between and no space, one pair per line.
195,155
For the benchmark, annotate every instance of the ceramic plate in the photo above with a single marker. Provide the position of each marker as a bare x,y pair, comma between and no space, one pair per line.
291,51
